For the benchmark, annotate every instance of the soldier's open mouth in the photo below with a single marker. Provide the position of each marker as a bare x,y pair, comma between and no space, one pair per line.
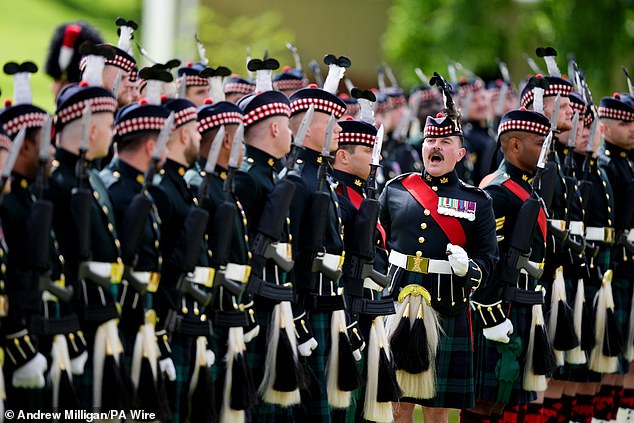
435,157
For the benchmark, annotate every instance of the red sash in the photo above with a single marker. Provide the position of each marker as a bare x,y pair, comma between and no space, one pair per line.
356,199
523,195
427,198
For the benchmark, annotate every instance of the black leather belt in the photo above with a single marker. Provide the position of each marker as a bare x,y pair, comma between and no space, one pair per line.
315,302
231,319
99,313
66,324
189,327
372,307
523,296
269,290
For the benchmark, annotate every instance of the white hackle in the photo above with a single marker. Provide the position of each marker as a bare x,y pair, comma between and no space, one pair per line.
366,112
22,88
531,381
336,397
558,294
125,36
235,346
263,80
538,99
216,89
598,361
551,65
335,73
153,91
93,72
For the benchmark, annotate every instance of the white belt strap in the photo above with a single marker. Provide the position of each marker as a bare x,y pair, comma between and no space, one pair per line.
576,227
432,266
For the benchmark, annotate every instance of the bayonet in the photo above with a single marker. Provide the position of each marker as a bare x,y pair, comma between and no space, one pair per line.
116,84
390,75
573,132
86,118
555,114
532,64
376,159
202,52
380,73
319,79
296,58
249,73
593,131
16,145
453,76
543,154
325,151
214,151
234,158
629,81
421,75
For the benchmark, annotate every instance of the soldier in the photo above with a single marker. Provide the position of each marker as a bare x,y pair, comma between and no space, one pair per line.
125,179
237,87
268,139
218,123
62,60
196,86
617,126
39,319
316,227
513,284
352,170
5,147
398,156
479,140
85,227
185,278
289,80
449,253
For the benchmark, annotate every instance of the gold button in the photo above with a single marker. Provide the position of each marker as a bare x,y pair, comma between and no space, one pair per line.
423,225
156,244
421,240
426,212
290,237
104,208
110,227
96,195
160,260
435,188
117,243
609,209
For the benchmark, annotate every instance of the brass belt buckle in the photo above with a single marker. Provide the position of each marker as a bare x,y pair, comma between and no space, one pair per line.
608,235
417,263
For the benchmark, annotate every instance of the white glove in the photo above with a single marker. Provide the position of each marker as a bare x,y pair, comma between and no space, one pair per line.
251,334
306,348
167,367
458,259
78,363
31,374
500,332
211,358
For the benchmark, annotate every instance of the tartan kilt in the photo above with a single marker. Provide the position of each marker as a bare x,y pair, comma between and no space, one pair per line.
454,359
314,406
183,354
487,356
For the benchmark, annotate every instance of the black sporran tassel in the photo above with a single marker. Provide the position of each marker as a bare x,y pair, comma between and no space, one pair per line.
202,408
348,374
417,358
565,335
243,393
285,372
544,360
400,340
612,342
587,327
388,389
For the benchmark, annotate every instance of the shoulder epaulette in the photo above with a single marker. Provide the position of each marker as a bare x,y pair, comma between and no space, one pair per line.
400,177
109,177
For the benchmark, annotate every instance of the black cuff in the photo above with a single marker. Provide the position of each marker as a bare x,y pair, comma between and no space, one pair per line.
489,314
76,343
19,348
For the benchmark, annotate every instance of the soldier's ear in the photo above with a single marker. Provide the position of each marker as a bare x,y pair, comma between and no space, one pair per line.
274,128
461,153
227,140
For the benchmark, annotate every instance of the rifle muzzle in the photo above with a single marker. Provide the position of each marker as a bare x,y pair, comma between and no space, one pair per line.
531,268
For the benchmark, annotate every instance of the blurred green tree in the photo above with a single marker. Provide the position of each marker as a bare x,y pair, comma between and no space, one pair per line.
434,33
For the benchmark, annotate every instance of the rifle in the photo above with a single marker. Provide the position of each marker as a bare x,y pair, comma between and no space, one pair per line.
319,79
225,214
278,202
317,211
570,182
138,210
81,205
40,222
16,145
362,247
517,256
